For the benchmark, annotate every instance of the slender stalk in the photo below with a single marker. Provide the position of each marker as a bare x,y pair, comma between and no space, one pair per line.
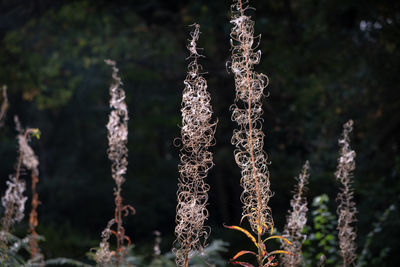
117,127
250,139
346,209
295,222
33,218
14,201
29,160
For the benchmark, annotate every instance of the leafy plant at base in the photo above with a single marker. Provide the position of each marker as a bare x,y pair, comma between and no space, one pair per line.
264,258
321,242
366,257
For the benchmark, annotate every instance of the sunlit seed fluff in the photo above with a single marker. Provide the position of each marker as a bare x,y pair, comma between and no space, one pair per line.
13,202
346,208
295,222
117,128
197,135
29,159
247,111
104,254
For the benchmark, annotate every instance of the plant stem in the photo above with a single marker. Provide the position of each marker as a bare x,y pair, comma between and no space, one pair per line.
250,139
118,219
33,220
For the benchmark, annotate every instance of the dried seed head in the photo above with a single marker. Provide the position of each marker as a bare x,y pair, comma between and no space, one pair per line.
14,203
104,254
14,200
117,134
346,208
29,159
117,127
247,111
197,135
295,222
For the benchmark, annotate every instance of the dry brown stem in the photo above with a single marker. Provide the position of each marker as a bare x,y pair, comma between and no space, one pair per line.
14,201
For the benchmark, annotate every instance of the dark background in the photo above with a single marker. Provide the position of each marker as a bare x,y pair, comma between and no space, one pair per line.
327,60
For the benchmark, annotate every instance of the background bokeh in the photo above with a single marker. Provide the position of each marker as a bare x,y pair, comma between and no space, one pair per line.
327,60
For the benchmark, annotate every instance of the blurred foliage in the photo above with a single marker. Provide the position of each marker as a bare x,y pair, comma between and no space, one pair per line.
321,240
210,256
327,61
378,254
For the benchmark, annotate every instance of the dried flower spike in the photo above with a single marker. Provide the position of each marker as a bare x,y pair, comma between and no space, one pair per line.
117,127
197,135
295,222
346,208
31,162
249,137
247,111
14,200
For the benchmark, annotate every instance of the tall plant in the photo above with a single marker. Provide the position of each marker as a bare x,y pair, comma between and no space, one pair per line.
346,209
117,127
14,200
249,137
197,135
30,161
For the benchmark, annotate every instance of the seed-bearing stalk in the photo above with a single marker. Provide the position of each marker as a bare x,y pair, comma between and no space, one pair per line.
249,137
14,200
346,209
247,111
296,220
117,127
197,135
